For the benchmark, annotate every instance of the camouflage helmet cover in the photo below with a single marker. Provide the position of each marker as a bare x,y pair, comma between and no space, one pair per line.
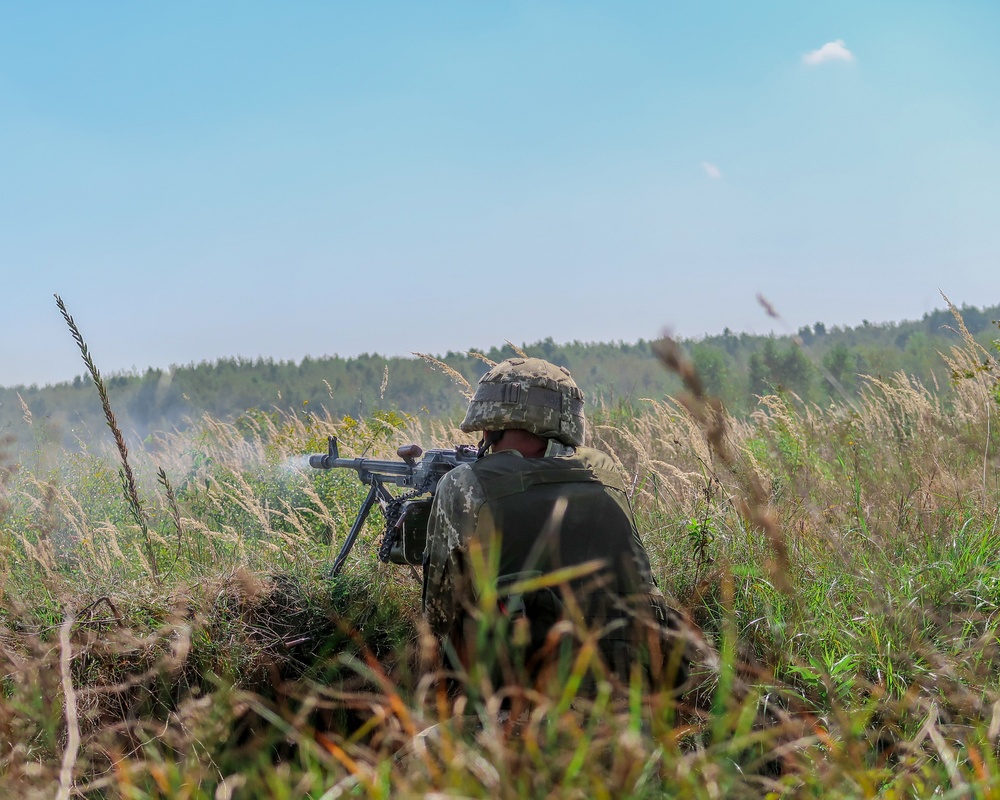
531,394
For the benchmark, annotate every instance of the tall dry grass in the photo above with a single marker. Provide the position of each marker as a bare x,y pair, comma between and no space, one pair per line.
842,560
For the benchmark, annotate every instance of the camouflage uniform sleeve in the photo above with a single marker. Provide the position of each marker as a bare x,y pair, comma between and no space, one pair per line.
454,514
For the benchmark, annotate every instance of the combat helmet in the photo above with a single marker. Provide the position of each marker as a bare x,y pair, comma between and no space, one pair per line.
531,394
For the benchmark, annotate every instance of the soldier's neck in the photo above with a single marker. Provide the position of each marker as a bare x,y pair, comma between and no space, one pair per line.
528,444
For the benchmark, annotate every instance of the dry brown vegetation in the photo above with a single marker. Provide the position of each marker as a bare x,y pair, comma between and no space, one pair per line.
843,559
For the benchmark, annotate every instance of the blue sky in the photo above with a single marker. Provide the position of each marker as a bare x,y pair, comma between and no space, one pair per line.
202,180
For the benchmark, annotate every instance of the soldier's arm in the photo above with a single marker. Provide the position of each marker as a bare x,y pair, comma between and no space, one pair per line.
454,513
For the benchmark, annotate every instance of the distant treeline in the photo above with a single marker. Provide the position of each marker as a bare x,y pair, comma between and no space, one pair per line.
736,367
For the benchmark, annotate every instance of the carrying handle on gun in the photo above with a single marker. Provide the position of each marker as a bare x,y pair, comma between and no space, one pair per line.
410,453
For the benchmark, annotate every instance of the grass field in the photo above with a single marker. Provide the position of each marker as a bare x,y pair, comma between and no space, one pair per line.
170,631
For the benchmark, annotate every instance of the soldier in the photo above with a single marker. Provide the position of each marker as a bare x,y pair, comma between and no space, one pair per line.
536,501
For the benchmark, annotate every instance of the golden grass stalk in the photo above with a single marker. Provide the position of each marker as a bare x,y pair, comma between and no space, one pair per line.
450,371
130,490
708,411
69,699
516,349
488,362
175,513
25,410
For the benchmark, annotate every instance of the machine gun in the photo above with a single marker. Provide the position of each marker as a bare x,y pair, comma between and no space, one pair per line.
406,515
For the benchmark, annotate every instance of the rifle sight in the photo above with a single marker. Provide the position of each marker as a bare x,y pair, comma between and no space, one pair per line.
326,461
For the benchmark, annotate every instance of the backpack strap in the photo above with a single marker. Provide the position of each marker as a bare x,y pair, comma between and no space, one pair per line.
506,485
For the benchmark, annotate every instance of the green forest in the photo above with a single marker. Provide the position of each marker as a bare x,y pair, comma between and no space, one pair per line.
818,364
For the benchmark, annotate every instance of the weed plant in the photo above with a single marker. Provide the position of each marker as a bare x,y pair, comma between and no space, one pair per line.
842,561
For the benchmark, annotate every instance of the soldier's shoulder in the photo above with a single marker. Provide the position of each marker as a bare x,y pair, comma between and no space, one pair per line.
602,465
462,479
595,459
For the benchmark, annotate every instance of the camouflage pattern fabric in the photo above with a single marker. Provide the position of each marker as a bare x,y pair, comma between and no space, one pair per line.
532,394
462,512
454,518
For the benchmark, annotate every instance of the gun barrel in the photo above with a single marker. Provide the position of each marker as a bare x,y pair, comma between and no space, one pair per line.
361,465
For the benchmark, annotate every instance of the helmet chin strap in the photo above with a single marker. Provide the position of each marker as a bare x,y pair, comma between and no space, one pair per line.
490,439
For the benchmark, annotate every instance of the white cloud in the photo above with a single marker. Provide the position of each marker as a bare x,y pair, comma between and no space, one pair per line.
711,170
831,51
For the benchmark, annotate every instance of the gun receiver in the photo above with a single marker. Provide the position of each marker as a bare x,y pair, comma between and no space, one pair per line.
405,515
